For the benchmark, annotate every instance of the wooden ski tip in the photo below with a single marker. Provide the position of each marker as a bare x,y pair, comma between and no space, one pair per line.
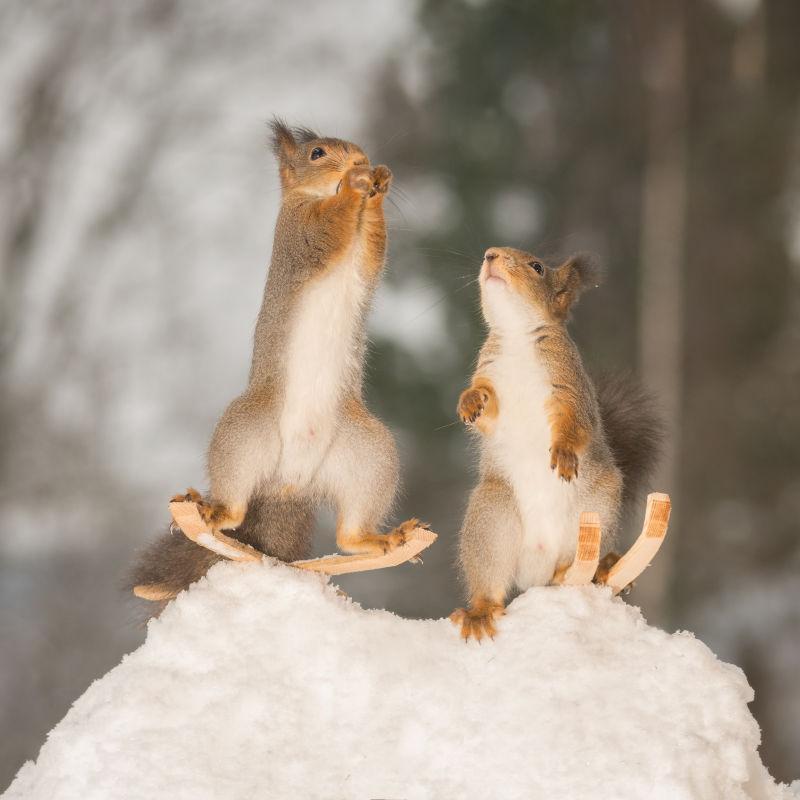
187,517
587,554
418,539
638,558
154,591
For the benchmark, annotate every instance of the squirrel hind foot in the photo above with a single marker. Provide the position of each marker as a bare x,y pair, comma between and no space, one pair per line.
478,621
604,567
191,496
378,543
371,543
219,517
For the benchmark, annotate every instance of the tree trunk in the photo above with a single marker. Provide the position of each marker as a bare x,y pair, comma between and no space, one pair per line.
663,240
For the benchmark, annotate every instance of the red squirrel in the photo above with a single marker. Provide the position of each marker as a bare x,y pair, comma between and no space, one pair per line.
551,444
300,434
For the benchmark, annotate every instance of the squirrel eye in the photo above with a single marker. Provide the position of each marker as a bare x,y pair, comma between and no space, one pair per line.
537,266
316,153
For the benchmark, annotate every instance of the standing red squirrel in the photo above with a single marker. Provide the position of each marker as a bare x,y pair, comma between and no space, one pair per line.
551,445
300,434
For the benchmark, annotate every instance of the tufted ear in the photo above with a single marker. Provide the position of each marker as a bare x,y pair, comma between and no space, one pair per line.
579,272
284,145
282,139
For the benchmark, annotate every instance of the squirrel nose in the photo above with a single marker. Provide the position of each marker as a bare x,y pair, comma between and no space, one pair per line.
491,255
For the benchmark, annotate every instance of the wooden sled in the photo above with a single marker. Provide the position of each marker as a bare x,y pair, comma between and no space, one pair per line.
633,563
186,518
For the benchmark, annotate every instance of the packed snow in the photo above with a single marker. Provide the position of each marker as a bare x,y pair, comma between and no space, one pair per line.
263,681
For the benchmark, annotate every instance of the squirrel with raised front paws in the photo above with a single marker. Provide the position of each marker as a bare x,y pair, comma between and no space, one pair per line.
300,434
551,444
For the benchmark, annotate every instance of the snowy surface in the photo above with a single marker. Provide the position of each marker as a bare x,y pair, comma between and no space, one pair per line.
261,681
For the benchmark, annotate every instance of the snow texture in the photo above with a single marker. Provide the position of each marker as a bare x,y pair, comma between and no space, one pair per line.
261,681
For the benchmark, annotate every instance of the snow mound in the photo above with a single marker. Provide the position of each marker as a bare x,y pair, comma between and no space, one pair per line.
261,681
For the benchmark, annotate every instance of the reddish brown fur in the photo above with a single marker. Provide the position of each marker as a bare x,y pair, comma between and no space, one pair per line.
367,541
478,621
604,567
478,404
570,436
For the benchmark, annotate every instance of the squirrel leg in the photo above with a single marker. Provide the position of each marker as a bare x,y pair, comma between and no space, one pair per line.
242,454
570,436
360,473
372,228
489,551
218,516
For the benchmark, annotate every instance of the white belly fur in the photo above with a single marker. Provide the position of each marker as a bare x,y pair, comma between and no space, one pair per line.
520,448
321,357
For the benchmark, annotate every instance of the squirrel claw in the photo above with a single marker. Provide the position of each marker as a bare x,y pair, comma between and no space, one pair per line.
191,496
565,460
381,179
471,405
477,622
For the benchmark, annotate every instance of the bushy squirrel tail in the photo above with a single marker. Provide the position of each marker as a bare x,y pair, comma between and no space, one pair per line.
634,429
278,526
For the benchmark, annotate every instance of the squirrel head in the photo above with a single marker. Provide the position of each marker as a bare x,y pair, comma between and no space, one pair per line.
311,163
518,288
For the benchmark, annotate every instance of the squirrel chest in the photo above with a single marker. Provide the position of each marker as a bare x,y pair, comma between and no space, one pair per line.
322,362
518,448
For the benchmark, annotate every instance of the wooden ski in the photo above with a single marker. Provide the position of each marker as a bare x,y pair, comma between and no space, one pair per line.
187,519
633,563
588,553
644,549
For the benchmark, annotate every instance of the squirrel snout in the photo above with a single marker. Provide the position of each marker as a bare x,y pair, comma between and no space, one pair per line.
494,268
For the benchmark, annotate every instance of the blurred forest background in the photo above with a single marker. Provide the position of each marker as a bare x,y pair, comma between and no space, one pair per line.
137,203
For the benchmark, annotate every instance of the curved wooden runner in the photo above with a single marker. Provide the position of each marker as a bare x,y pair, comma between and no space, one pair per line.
187,519
581,572
633,563
644,549
588,553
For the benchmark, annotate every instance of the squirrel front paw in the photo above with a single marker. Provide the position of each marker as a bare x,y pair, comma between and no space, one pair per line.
359,180
564,459
471,404
381,180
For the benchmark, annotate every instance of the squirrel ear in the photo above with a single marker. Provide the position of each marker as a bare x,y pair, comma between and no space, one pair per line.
579,272
284,145
283,141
